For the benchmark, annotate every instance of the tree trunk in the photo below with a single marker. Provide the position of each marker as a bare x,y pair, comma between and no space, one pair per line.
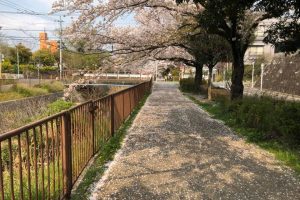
198,77
237,87
210,68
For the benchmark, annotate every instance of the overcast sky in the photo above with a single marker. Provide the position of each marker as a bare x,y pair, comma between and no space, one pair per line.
31,22
26,22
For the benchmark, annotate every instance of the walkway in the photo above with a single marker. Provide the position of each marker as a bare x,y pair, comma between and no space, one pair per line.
174,150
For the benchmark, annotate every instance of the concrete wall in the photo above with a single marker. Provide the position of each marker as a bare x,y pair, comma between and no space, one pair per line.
16,113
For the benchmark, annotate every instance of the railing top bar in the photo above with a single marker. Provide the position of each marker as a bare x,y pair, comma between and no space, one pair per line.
121,91
22,129
135,86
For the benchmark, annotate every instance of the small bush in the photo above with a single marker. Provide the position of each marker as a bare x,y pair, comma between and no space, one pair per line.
52,87
28,91
288,121
271,124
58,106
271,118
217,93
188,85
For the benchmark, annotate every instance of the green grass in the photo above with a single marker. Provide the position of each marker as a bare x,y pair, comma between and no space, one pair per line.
283,149
51,87
58,106
34,191
106,154
19,91
28,91
10,95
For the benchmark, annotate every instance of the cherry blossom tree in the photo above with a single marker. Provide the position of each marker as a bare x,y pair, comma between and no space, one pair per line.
155,35
163,31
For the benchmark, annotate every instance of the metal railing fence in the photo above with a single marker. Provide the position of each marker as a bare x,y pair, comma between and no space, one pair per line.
43,160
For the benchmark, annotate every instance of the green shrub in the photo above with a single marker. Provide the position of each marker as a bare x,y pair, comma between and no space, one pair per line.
48,69
272,124
248,71
54,86
28,91
188,85
270,118
217,93
288,121
58,106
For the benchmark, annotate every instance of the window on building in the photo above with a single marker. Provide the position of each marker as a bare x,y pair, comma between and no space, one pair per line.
260,32
256,51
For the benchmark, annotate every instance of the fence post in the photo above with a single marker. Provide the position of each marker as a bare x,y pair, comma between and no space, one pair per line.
67,154
92,110
112,109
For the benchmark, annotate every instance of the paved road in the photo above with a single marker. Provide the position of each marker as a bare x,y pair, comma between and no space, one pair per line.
174,150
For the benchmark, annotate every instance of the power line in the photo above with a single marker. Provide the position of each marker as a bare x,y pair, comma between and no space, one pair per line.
22,9
22,13
32,30
15,6
24,37
37,13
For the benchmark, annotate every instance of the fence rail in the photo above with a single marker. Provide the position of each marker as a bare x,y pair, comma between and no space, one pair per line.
43,160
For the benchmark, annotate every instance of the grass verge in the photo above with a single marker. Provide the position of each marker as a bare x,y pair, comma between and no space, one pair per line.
19,91
106,154
10,95
283,151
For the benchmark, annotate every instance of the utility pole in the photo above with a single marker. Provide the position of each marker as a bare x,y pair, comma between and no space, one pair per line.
262,76
253,68
18,62
60,48
1,59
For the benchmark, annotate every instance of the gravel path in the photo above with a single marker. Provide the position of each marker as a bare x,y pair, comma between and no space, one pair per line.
174,150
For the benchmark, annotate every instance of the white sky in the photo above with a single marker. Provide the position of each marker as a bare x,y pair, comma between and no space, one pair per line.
31,22
26,22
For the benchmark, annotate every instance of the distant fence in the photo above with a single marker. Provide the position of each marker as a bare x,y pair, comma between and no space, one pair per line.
119,76
43,160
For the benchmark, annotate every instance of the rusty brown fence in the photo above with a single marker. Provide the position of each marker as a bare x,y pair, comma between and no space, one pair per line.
43,160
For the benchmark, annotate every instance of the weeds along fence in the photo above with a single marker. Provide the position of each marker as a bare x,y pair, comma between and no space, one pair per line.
7,81
43,160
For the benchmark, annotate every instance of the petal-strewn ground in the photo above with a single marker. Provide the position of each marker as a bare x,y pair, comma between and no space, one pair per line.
175,150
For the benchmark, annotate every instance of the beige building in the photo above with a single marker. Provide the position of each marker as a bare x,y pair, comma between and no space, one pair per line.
258,48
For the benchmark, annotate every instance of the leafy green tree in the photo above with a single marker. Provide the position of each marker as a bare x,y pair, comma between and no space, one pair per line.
77,60
7,67
24,54
285,33
210,50
236,21
285,36
44,58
